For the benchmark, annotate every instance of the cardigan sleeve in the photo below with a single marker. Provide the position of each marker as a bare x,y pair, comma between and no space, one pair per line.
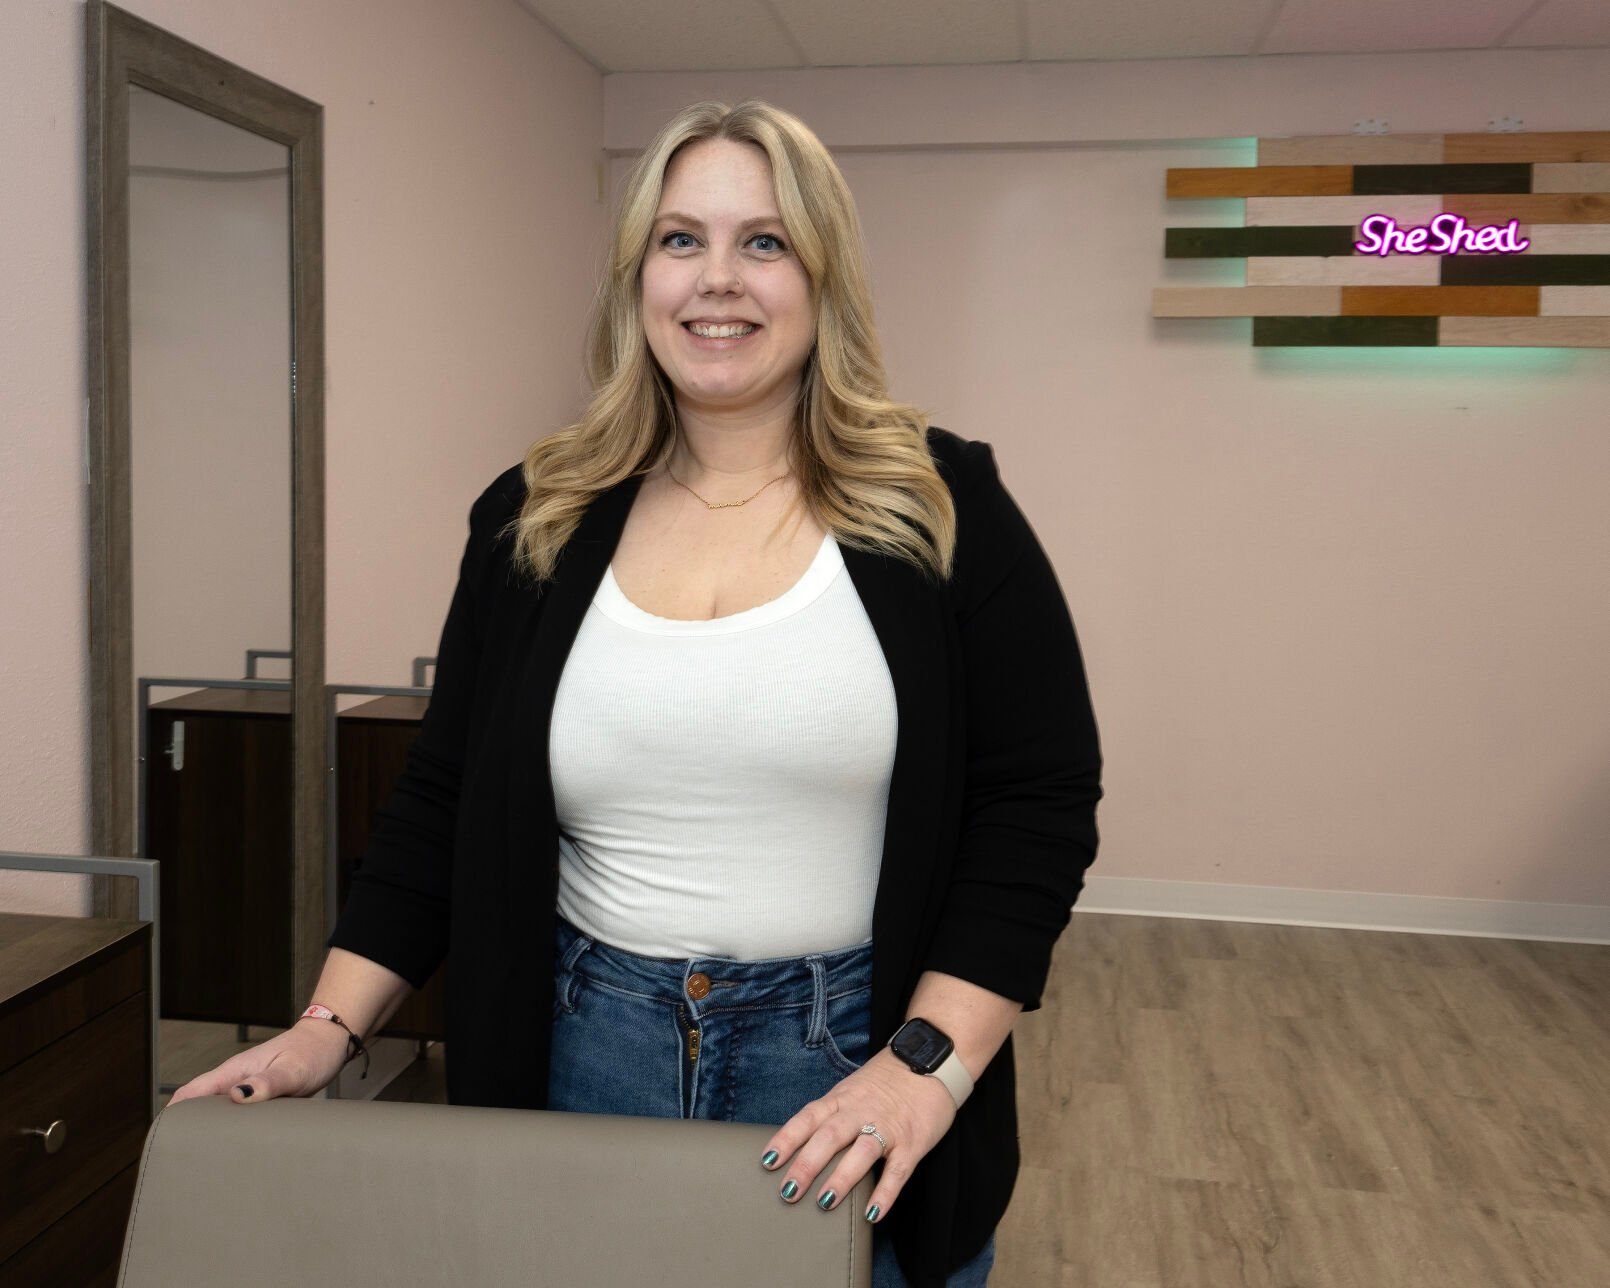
397,906
1033,755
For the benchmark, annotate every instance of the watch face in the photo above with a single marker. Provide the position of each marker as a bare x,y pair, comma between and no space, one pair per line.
921,1045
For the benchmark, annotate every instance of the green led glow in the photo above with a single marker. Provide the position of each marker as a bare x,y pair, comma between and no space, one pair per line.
1464,359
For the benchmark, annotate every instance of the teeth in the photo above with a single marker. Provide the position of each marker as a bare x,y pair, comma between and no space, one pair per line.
719,332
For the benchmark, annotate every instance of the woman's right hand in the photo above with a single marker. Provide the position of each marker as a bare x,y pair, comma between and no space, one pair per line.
301,1061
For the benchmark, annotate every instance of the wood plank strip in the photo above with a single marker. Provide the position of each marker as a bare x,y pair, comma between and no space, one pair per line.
1342,270
1246,301
1234,243
1260,181
1276,211
1574,301
1571,176
1556,146
1566,332
1352,149
1525,270
1443,301
1531,208
1344,331
1507,177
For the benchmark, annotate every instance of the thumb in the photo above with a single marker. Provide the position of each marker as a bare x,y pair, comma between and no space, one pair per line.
265,1084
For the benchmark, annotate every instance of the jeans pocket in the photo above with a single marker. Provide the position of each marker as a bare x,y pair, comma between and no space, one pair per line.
848,1036
566,991
569,949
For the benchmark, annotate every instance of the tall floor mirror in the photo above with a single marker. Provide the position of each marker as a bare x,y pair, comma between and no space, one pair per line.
206,478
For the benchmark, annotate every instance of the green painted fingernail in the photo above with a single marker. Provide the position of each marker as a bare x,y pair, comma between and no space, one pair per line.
769,1158
826,1201
872,1213
790,1188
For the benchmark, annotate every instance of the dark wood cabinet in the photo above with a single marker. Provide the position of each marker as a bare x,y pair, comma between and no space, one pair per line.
75,1093
372,749
218,821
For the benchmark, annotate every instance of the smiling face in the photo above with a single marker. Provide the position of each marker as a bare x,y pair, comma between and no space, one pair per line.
718,250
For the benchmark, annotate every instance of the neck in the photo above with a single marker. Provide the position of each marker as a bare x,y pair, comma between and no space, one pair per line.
730,453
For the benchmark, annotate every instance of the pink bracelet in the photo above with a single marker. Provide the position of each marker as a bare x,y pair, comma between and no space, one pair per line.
318,1012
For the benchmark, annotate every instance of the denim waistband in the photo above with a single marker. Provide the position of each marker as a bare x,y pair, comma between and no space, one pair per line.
769,981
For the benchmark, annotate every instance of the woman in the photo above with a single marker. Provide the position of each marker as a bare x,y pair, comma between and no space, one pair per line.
808,720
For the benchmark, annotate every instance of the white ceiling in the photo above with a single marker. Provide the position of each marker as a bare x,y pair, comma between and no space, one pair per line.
734,35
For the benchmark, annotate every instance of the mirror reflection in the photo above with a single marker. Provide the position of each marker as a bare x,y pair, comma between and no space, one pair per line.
210,466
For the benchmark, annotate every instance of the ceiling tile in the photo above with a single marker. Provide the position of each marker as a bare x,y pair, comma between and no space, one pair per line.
1565,22
1058,30
852,33
671,35
1372,26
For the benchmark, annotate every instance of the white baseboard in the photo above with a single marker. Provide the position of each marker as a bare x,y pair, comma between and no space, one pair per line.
1347,909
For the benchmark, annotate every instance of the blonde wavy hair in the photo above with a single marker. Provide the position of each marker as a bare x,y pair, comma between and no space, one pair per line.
861,459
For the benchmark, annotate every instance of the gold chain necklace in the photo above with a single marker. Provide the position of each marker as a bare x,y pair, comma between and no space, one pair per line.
722,505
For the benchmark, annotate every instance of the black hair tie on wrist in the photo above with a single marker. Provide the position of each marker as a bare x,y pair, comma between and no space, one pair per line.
353,1040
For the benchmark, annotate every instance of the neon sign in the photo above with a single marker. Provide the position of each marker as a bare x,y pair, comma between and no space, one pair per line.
1383,237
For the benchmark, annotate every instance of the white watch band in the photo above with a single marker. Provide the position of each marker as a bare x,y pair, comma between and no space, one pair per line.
953,1073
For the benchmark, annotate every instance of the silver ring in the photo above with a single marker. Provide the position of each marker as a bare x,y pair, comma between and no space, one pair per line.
871,1129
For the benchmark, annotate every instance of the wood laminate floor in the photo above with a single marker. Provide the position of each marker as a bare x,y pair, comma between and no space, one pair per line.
1214,1103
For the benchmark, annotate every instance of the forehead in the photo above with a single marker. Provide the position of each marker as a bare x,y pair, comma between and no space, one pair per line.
719,180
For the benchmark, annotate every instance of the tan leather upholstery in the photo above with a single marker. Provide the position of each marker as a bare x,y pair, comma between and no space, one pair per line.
352,1192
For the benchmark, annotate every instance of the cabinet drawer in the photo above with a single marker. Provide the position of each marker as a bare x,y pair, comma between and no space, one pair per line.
97,1080
84,1248
66,993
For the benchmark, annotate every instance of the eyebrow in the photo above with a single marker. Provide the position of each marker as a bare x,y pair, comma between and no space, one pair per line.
681,218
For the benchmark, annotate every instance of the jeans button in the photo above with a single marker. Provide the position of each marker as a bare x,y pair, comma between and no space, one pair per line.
698,985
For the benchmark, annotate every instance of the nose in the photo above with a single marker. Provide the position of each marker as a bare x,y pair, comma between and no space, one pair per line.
720,276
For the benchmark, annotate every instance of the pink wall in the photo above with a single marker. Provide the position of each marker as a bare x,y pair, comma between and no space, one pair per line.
461,220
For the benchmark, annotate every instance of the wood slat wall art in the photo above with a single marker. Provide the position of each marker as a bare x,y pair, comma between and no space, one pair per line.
1307,198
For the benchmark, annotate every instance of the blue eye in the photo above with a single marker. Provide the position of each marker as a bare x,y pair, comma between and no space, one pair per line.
769,237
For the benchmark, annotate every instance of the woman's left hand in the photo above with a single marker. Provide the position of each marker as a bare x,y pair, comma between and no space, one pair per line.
911,1111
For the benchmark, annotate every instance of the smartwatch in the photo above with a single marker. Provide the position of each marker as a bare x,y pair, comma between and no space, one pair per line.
928,1050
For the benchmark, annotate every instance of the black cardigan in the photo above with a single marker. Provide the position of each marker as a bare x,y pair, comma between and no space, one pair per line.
990,827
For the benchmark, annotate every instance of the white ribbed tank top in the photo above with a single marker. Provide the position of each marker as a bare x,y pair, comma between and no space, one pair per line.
722,785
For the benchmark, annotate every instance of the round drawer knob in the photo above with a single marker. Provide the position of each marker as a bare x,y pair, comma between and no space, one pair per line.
55,1135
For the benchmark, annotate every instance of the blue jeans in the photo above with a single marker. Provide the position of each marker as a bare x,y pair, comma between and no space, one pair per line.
715,1038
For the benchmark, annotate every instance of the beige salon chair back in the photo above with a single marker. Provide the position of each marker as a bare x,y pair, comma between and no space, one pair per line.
362,1192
